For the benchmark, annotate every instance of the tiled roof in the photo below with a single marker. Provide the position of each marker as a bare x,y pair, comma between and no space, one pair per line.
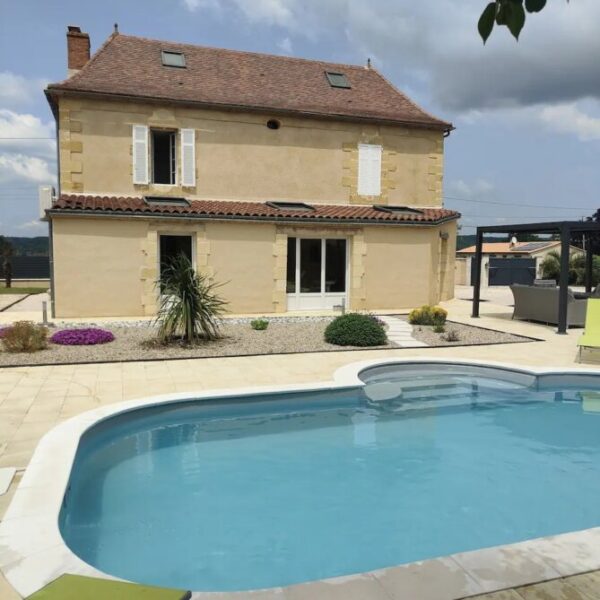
506,248
131,66
225,209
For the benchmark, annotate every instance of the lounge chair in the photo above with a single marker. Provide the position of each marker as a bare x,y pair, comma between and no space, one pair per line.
538,303
591,334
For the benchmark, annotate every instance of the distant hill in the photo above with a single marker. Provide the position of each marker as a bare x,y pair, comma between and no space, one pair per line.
29,246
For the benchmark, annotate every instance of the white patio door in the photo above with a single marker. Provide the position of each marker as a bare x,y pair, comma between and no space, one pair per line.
317,273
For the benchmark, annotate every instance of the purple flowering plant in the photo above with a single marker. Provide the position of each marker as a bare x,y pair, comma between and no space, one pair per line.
82,337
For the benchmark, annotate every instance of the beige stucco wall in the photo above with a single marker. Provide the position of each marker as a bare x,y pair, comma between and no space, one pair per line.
97,267
108,266
239,158
242,258
407,267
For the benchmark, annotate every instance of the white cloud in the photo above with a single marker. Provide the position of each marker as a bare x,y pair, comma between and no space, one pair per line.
285,45
34,226
26,133
16,90
470,190
571,119
24,168
436,44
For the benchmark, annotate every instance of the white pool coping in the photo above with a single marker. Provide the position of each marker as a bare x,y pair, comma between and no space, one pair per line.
33,552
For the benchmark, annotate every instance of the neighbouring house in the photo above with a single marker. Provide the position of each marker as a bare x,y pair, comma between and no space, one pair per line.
505,263
298,183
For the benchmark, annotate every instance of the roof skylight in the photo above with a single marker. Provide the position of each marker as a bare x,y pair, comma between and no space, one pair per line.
166,200
290,206
405,210
173,59
337,80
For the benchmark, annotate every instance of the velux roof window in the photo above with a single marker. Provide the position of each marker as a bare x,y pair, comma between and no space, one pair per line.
173,59
290,206
337,80
166,200
402,210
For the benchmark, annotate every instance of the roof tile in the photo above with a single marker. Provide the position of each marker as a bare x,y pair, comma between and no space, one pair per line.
131,66
248,210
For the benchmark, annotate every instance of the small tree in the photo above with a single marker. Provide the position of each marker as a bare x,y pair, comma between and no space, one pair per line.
550,268
189,306
6,252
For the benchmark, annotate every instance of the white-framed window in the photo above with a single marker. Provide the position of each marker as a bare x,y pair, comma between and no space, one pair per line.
369,170
164,156
155,157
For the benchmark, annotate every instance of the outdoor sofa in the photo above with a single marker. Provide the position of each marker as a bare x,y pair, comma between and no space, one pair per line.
540,303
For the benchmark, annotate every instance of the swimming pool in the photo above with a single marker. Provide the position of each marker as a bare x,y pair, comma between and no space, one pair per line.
423,460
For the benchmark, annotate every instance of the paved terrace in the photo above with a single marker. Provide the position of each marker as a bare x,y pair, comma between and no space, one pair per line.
35,399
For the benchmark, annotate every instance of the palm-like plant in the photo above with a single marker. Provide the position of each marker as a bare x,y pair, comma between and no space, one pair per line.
189,306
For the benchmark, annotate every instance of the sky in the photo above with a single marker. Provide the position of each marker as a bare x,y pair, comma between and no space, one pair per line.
527,114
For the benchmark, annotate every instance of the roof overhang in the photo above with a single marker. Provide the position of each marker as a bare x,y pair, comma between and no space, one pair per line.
66,212
54,93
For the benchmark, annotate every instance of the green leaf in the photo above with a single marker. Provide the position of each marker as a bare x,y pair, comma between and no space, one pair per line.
515,18
533,6
486,21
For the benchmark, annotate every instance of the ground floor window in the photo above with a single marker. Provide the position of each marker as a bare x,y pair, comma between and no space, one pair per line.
316,272
171,246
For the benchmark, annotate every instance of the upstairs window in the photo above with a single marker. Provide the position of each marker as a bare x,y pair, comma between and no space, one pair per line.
369,170
164,161
337,80
173,59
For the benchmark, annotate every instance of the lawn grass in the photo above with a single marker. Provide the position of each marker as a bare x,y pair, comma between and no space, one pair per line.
22,290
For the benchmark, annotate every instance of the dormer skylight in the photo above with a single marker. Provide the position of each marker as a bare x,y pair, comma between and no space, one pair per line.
166,201
173,59
403,210
300,206
337,80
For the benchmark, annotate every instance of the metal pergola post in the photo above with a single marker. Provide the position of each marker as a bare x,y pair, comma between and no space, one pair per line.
589,263
477,281
563,292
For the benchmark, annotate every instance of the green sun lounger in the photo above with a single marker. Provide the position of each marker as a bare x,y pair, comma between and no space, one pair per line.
76,587
591,334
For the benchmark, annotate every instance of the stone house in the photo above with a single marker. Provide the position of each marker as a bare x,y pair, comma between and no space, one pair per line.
301,184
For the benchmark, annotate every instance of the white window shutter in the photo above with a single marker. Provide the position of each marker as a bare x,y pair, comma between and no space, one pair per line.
369,170
188,157
140,154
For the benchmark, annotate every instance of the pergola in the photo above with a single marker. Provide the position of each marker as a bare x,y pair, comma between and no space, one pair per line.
565,229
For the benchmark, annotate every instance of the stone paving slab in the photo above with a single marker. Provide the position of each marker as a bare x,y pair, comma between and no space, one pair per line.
35,399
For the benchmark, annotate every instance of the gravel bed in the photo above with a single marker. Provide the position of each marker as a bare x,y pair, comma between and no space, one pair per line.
239,339
467,335
284,335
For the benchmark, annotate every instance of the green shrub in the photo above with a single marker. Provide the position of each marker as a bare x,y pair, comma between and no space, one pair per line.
353,329
259,324
439,329
189,306
24,336
428,315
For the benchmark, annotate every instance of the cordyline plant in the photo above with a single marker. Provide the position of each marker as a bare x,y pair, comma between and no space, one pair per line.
189,307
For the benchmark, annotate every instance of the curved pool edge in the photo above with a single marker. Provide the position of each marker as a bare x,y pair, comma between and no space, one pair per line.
33,552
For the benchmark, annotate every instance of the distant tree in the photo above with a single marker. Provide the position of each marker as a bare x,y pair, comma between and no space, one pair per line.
510,13
6,252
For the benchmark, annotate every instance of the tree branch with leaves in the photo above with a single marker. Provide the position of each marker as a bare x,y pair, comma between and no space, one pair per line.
510,13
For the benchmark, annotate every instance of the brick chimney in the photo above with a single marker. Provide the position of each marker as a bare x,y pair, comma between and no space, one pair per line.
78,49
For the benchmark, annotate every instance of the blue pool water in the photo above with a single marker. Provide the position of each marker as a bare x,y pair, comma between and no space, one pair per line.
424,461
